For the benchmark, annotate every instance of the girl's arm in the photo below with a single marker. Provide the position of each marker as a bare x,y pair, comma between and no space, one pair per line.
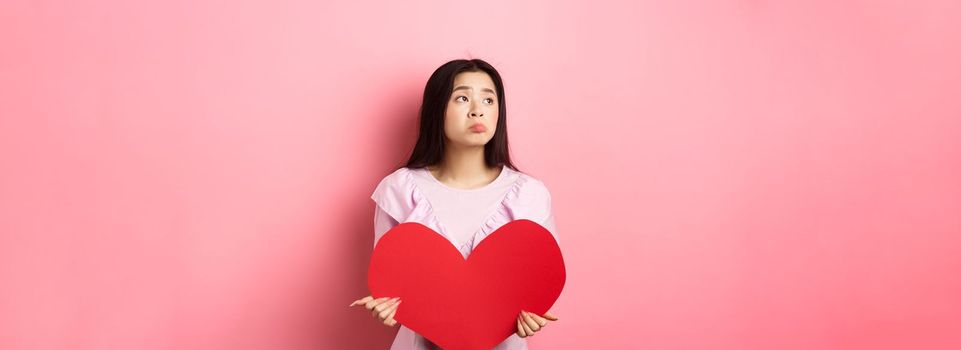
384,308
383,222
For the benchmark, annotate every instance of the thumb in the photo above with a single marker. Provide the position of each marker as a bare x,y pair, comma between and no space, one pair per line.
550,317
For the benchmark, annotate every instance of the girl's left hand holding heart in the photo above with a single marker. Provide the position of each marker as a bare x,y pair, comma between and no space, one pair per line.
528,323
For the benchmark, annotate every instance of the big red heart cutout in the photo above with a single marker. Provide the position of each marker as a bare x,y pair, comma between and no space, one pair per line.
467,304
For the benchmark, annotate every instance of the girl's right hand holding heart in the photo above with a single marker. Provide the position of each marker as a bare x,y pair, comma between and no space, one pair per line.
382,309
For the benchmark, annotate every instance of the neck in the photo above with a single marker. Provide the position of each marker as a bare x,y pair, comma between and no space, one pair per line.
464,166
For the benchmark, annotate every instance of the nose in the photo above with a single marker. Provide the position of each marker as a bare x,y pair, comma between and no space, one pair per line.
476,113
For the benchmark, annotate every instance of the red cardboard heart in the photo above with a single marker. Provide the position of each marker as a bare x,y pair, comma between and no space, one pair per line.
467,304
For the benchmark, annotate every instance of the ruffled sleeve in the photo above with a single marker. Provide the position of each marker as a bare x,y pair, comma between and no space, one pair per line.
392,201
382,223
533,202
399,198
394,195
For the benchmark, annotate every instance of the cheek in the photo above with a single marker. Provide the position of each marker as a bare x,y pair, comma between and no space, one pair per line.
451,122
450,116
452,111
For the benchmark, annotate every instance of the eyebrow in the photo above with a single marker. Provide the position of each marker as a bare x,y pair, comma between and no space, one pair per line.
464,87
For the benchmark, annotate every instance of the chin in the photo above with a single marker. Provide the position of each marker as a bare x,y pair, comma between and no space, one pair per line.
474,142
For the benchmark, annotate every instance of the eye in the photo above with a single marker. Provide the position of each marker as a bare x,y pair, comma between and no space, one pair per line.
491,101
458,98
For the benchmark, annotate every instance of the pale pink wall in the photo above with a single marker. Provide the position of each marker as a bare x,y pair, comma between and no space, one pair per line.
726,174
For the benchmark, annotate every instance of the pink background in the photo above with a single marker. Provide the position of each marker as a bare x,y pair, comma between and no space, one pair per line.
726,174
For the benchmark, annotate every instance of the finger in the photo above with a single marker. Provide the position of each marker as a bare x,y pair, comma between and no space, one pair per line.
363,300
530,322
527,328
520,329
371,303
539,320
550,317
390,318
383,306
374,302
389,310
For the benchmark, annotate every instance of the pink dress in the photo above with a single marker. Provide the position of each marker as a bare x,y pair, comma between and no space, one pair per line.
463,216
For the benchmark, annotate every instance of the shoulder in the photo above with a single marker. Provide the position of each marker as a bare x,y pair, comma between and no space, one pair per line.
530,199
532,188
396,178
395,194
394,185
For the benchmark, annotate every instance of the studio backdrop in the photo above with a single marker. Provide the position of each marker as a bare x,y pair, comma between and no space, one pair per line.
724,174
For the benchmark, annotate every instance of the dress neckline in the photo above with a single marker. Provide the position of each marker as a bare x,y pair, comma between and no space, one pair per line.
499,178
501,207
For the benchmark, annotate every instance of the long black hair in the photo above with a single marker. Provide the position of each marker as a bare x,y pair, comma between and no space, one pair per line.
429,149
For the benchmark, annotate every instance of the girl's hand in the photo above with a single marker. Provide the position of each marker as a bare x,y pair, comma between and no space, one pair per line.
528,323
382,309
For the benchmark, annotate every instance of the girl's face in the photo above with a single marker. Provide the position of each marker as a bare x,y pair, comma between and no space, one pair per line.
472,111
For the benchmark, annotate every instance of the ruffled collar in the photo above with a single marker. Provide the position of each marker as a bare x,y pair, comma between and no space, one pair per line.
424,212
